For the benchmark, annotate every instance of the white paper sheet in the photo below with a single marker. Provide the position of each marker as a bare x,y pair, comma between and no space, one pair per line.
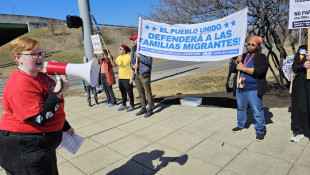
71,143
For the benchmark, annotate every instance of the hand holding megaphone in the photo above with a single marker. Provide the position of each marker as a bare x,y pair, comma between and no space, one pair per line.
62,84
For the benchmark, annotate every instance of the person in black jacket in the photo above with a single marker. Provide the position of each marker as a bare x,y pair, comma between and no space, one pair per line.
253,67
300,95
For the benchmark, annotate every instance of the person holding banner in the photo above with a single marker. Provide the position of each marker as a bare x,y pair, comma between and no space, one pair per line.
142,74
125,76
300,98
107,77
33,117
251,86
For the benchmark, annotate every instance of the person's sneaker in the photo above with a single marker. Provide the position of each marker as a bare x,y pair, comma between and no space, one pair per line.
237,129
260,136
292,138
130,108
142,111
89,104
297,137
148,113
110,105
123,107
106,103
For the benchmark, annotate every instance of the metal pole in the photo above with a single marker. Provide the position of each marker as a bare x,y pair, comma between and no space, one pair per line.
299,36
87,27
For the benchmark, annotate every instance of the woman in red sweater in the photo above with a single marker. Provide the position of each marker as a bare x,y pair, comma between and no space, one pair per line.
33,117
107,78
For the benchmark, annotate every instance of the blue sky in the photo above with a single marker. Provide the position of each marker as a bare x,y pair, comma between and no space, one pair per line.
115,12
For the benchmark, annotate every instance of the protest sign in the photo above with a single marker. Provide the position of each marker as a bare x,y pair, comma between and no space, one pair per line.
299,14
95,39
299,17
287,67
210,41
98,30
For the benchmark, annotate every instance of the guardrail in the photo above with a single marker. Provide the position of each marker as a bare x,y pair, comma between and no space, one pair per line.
7,65
117,26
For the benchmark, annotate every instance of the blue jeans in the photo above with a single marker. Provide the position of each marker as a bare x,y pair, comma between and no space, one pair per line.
250,97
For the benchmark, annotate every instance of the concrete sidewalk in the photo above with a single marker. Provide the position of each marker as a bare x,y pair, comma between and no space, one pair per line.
178,140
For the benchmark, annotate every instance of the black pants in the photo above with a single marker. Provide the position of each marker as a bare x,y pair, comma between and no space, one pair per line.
29,154
107,89
125,89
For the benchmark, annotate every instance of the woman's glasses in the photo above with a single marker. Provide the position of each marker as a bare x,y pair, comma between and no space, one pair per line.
36,55
120,48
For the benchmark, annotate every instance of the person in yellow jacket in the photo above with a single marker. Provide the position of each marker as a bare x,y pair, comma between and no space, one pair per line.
125,77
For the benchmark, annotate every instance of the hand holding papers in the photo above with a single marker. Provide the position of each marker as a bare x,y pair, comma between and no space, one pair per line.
71,143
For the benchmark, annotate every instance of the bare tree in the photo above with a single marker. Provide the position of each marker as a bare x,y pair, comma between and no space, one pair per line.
266,18
52,26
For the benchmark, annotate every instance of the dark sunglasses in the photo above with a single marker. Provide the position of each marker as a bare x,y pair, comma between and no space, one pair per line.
249,44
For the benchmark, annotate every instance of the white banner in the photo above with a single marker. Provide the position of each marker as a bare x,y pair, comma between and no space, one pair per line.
95,39
210,41
299,14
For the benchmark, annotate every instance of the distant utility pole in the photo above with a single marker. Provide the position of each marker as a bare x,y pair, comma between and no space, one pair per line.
87,27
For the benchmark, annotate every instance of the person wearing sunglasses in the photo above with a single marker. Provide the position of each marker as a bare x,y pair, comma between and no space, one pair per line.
125,77
251,86
33,117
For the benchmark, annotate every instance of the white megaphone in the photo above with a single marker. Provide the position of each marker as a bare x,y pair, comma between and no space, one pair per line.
88,71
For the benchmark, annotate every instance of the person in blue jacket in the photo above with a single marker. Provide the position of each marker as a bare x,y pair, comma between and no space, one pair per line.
142,68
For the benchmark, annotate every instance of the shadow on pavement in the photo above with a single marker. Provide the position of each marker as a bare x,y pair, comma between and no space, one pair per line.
224,102
147,163
250,120
169,76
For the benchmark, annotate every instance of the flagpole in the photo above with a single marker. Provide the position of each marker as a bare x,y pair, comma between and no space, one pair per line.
138,42
238,77
98,30
291,85
308,50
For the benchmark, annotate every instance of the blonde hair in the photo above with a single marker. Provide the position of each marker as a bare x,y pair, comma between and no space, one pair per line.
23,44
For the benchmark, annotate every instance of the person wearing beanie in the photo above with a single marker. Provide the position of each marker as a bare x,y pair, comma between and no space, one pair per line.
251,86
142,74
125,77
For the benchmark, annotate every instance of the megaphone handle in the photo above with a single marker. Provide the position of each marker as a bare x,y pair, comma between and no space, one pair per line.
58,77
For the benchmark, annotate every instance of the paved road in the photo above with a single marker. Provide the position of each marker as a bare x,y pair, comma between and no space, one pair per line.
168,70
161,71
2,83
